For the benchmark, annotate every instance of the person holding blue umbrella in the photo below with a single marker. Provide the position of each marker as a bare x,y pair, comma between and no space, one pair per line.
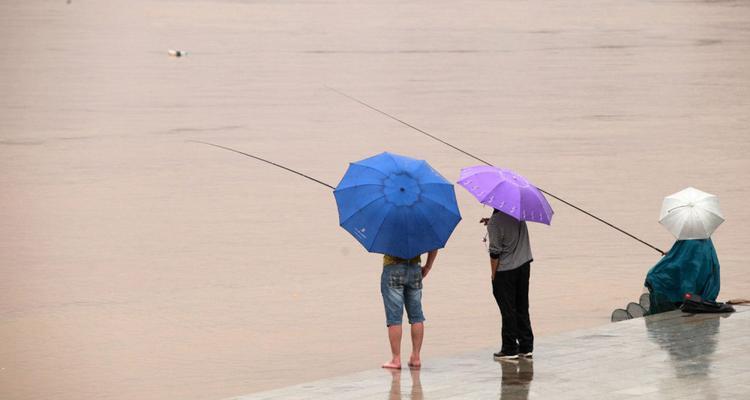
402,208
514,201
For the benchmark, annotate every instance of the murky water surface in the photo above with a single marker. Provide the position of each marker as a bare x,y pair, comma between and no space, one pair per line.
135,264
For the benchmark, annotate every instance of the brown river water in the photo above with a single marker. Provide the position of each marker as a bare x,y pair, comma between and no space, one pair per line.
135,264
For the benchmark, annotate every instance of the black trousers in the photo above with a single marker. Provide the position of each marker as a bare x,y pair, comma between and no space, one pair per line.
511,291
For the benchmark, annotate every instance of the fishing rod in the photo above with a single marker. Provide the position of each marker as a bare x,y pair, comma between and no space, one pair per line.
487,163
265,161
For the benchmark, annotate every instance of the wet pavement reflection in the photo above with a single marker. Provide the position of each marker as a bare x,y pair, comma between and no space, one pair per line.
416,385
669,356
690,344
516,379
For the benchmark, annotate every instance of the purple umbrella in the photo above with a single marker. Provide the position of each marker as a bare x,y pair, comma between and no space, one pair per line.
508,192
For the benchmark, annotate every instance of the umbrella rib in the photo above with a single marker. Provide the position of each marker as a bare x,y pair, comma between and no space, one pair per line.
439,204
429,222
489,192
341,189
372,168
685,227
447,184
425,169
436,183
375,239
405,221
671,221
705,220
674,208
361,208
534,195
393,160
703,224
520,198
543,201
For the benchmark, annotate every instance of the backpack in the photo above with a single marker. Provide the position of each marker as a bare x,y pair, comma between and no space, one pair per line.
696,304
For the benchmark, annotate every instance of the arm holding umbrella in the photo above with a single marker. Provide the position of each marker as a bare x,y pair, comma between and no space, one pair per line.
431,255
494,256
496,246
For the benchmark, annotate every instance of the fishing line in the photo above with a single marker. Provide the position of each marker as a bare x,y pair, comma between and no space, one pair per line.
265,161
487,163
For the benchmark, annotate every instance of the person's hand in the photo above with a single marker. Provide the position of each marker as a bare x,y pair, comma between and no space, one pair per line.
425,271
484,221
493,276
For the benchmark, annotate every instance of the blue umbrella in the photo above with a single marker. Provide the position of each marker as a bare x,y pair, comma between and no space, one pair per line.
396,205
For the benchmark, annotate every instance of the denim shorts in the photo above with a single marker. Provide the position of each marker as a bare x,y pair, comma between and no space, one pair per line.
401,286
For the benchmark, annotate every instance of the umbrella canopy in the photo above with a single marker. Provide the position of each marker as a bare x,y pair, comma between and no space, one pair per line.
508,192
396,205
691,214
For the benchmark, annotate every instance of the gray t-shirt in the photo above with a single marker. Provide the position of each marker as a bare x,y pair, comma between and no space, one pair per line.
509,238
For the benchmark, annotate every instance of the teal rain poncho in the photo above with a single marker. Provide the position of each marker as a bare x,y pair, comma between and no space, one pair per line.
690,266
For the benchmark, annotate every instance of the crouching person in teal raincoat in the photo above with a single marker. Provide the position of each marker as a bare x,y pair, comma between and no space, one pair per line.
690,266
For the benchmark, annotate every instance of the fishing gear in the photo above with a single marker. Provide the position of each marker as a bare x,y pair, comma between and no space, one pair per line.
265,161
487,163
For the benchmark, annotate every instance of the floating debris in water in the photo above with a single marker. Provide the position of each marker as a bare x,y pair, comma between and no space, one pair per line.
176,53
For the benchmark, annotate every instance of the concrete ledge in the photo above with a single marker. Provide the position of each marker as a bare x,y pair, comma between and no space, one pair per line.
667,356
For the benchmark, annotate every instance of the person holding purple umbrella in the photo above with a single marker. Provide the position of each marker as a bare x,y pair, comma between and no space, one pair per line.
510,267
514,201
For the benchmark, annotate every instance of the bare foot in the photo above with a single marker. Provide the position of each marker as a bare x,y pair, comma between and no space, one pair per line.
392,365
415,363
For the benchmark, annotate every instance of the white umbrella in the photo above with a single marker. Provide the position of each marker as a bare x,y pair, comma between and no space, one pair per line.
691,214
